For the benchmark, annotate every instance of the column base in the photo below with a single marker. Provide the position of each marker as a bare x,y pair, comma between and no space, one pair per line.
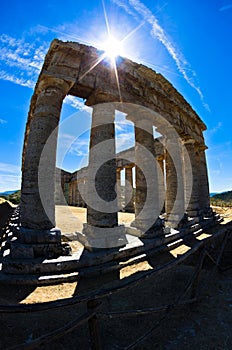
207,212
95,238
177,222
201,214
32,243
194,213
140,228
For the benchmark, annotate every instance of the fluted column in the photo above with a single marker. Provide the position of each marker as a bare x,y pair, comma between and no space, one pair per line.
102,130
174,203
204,196
118,176
147,200
119,188
37,209
129,195
84,184
160,160
75,193
78,195
44,122
102,230
70,193
192,180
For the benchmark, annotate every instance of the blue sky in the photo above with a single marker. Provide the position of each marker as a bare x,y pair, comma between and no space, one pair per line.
189,42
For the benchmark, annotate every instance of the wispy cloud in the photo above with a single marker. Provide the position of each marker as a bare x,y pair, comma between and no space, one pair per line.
159,33
17,51
219,159
124,141
9,168
80,148
76,103
123,126
10,177
9,182
73,145
20,61
16,80
210,134
66,31
216,128
125,137
124,132
226,7
126,7
3,121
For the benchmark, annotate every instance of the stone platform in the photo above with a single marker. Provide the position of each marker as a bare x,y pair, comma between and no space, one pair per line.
82,262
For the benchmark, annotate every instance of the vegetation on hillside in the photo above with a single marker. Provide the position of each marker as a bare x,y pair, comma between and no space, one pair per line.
223,199
14,197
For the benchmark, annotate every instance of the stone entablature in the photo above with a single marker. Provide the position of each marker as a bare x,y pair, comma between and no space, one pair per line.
71,62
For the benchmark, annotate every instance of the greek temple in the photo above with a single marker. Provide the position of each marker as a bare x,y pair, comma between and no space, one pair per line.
166,180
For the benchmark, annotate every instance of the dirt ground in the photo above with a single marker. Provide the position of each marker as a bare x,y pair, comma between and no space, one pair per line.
205,324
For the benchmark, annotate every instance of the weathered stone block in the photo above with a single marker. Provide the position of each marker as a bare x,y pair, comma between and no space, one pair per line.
31,236
94,237
21,251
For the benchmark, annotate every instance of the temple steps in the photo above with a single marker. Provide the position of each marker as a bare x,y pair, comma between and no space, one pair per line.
85,263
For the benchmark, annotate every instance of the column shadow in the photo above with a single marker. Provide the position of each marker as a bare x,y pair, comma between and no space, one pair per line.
98,272
10,291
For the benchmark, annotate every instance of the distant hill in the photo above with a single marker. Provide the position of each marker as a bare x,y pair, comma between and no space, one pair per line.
13,196
213,194
6,193
224,198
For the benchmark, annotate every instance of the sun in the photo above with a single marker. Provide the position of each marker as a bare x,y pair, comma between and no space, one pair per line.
113,48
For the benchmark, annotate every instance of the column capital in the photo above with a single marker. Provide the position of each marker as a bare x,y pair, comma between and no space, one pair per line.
99,97
52,82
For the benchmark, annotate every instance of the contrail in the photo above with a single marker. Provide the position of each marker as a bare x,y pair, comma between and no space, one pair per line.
157,32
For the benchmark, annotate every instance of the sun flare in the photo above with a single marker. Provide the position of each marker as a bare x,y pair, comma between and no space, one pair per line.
113,48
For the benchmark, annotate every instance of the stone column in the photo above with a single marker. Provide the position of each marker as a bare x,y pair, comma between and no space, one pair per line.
204,196
75,192
175,200
160,160
37,209
70,193
78,194
82,191
147,201
119,188
192,173
129,191
102,230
